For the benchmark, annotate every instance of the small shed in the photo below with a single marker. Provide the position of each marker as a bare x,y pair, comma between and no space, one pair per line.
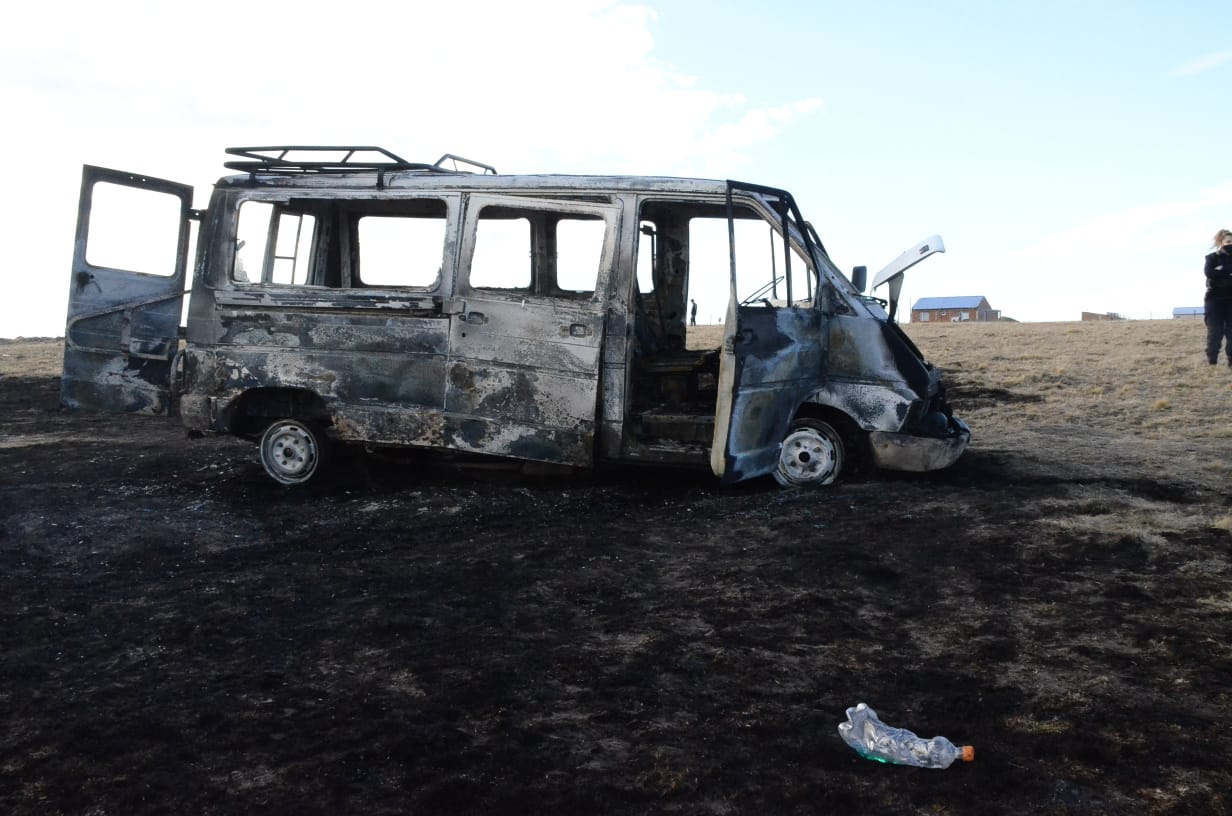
1189,312
953,310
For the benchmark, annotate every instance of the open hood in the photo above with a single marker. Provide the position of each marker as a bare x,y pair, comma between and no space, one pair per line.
893,272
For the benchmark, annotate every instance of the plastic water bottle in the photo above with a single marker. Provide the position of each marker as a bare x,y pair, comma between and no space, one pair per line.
873,739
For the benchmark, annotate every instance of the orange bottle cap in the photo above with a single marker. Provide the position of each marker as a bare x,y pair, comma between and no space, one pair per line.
968,752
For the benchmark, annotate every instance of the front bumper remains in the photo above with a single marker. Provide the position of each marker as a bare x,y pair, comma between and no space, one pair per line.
899,451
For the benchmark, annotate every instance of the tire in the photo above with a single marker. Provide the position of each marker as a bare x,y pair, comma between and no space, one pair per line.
295,451
812,455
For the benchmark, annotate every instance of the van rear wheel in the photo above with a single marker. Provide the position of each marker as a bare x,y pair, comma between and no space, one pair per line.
812,455
294,451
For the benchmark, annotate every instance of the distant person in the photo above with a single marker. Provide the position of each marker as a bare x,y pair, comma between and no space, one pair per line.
1218,303
693,313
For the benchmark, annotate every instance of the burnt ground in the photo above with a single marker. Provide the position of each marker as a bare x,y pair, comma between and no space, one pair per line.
180,634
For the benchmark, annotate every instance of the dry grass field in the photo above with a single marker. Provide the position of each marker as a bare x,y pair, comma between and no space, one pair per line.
180,635
1135,401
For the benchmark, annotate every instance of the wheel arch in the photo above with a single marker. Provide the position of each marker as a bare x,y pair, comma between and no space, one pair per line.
855,438
253,410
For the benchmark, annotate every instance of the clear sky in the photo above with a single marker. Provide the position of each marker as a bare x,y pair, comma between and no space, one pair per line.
1074,155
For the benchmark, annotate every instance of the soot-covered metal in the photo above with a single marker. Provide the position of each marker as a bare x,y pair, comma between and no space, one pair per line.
346,296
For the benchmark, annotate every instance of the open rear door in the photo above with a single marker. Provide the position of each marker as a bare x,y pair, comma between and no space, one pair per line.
772,349
126,293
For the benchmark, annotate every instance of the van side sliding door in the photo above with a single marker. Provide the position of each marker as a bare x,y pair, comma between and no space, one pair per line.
525,350
126,292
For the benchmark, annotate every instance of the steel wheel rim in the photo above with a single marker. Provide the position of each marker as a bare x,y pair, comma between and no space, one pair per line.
807,457
290,453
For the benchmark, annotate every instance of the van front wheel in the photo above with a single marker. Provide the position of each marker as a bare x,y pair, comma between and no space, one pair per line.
293,451
812,455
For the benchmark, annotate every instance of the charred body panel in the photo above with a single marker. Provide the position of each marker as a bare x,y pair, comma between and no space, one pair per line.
778,364
525,367
395,381
100,380
877,377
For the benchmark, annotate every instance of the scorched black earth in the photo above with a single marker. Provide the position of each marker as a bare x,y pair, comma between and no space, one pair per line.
180,634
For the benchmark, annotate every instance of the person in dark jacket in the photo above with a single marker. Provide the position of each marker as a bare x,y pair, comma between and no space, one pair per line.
1218,304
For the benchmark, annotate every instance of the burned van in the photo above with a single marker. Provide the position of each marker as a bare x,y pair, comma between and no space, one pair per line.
345,296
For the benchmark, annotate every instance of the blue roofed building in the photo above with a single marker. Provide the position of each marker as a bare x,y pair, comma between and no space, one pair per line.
953,310
1189,312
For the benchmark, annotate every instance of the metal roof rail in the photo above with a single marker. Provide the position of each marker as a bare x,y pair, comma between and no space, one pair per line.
485,168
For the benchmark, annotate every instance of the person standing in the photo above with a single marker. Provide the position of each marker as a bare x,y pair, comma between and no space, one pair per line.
693,313
1217,306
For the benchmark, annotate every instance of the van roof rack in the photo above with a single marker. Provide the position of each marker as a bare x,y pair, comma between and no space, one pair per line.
306,159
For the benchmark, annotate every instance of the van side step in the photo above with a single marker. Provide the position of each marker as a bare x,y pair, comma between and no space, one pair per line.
676,427
666,452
